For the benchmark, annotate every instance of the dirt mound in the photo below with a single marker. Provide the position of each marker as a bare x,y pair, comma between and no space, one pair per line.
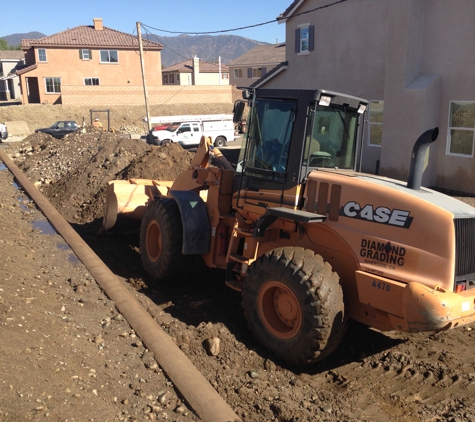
80,165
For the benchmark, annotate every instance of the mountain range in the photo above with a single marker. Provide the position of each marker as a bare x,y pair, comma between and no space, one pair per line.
183,47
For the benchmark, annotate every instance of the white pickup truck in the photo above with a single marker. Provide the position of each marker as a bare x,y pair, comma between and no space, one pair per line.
188,130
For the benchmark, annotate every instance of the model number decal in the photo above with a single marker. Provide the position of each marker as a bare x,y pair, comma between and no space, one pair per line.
381,285
381,215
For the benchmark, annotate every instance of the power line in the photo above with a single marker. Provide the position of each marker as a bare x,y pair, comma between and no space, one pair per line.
161,42
176,52
243,27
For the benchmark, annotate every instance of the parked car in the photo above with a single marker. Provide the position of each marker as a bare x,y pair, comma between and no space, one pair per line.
3,132
161,126
60,129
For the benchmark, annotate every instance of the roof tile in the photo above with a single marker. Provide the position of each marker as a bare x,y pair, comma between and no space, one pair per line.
261,54
26,69
11,55
87,36
187,67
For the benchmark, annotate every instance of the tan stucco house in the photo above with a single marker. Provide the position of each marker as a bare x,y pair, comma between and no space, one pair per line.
255,63
85,57
10,61
413,59
196,72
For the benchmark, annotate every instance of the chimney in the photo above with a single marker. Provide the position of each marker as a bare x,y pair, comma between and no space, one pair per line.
196,69
98,24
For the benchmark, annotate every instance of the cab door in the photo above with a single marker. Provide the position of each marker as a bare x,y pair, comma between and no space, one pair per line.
195,133
184,133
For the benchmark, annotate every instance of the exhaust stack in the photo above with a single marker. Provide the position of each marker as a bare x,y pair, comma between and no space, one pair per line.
417,158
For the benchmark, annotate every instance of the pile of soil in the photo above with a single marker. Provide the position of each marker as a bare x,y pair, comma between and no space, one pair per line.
371,376
80,165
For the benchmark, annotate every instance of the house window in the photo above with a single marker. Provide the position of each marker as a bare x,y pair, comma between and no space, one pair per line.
256,72
91,81
53,85
375,123
304,39
85,54
461,128
224,75
109,56
238,73
165,79
41,55
172,78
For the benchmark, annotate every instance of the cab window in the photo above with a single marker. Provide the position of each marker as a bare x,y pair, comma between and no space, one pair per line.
269,141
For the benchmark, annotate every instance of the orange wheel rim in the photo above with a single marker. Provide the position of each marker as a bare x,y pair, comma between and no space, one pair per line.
153,241
279,310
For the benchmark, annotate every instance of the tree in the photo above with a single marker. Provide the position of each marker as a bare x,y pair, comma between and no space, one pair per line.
5,46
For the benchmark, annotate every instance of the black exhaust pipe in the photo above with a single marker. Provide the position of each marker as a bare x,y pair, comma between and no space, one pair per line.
417,158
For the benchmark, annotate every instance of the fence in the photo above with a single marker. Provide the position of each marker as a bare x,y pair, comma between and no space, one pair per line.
157,95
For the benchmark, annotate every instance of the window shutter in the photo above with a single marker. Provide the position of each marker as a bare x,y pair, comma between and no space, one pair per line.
263,71
90,54
311,36
249,72
297,40
80,54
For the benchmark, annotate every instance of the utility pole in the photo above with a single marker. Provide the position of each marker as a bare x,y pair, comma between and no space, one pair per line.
142,65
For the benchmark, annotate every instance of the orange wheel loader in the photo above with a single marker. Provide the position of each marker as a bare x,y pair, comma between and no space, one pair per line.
308,240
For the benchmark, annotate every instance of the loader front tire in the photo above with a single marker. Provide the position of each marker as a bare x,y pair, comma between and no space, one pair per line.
293,303
161,239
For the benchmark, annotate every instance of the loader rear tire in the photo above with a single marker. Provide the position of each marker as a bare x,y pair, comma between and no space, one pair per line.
161,239
294,306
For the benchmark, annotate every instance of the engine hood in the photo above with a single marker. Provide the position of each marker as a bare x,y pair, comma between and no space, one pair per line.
458,208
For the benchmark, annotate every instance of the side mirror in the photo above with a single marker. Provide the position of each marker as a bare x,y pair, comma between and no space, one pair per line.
238,110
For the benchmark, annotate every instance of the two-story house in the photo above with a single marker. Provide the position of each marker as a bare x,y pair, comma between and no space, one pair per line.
255,63
85,57
10,61
196,72
411,58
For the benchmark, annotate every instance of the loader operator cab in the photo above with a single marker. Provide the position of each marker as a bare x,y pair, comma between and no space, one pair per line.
293,132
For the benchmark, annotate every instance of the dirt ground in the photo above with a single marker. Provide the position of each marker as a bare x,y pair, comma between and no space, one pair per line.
68,355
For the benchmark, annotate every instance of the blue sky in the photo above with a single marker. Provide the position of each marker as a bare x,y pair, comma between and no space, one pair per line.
49,17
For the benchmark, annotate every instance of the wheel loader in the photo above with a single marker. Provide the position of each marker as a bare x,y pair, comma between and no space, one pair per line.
307,239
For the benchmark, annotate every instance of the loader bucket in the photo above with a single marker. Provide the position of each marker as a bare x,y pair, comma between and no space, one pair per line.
129,198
